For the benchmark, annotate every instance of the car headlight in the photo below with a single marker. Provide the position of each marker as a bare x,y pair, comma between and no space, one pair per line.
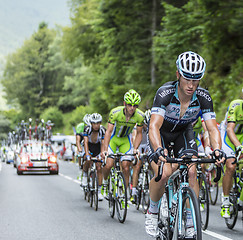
24,159
53,159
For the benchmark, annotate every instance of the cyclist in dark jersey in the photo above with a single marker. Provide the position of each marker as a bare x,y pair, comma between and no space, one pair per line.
79,136
93,144
176,105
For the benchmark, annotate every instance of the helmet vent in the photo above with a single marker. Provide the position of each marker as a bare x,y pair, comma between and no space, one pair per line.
193,66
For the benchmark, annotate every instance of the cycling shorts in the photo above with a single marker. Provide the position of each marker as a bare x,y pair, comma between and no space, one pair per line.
227,146
122,145
184,142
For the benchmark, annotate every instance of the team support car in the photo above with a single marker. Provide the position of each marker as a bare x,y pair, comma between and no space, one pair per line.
37,156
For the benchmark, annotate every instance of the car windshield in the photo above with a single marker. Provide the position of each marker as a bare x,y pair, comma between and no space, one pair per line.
37,149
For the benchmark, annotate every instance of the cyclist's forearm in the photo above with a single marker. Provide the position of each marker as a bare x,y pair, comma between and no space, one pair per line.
154,137
215,138
107,141
138,139
232,137
86,146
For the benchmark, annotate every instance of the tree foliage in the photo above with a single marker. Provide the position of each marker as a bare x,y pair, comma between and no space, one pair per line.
115,45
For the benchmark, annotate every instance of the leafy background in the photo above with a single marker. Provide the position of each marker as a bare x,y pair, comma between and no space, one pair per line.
63,72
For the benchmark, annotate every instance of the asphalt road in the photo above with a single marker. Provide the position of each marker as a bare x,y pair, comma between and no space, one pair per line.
36,206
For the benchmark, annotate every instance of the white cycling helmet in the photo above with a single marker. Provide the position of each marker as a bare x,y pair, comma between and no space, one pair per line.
191,65
86,119
147,116
95,118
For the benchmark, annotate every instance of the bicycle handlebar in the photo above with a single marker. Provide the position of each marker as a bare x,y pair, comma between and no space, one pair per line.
187,160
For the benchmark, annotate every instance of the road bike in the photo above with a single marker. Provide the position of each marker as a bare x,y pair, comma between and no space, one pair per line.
144,178
91,190
213,187
117,190
203,197
235,193
179,199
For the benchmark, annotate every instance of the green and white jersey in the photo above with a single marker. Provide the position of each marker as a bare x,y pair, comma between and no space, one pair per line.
122,127
235,114
80,129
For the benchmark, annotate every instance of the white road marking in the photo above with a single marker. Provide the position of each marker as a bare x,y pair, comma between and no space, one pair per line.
216,235
210,233
69,178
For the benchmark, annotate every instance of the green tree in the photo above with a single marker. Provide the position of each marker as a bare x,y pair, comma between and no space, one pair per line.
34,75
53,114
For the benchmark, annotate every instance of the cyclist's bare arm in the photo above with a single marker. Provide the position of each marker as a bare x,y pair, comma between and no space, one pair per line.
205,135
78,138
139,137
214,134
102,146
86,145
231,134
107,138
156,122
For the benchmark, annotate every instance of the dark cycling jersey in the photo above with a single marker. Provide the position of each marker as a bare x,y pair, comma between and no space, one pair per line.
94,147
167,104
176,129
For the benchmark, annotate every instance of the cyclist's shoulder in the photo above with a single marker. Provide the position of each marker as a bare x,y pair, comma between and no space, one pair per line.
170,87
102,128
116,112
235,104
117,109
80,127
203,94
139,113
87,128
81,124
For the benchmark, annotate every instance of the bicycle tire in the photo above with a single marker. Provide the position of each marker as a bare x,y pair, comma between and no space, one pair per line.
138,200
188,193
111,201
94,190
145,199
213,187
121,198
203,201
90,192
230,222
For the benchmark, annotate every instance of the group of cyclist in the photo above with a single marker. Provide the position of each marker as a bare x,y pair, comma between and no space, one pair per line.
177,106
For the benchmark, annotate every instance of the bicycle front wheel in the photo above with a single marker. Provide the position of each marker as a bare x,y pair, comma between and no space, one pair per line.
230,222
189,199
203,201
94,190
145,193
111,200
213,187
121,198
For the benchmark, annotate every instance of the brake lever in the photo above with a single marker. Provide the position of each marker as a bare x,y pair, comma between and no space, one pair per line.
160,172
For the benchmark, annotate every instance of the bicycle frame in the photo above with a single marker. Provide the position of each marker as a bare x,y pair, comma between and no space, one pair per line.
175,213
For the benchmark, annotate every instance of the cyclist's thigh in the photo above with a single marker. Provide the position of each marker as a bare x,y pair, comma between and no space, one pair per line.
185,143
125,146
227,146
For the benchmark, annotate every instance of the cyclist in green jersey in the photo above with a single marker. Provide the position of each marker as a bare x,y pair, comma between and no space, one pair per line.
79,136
121,122
232,141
